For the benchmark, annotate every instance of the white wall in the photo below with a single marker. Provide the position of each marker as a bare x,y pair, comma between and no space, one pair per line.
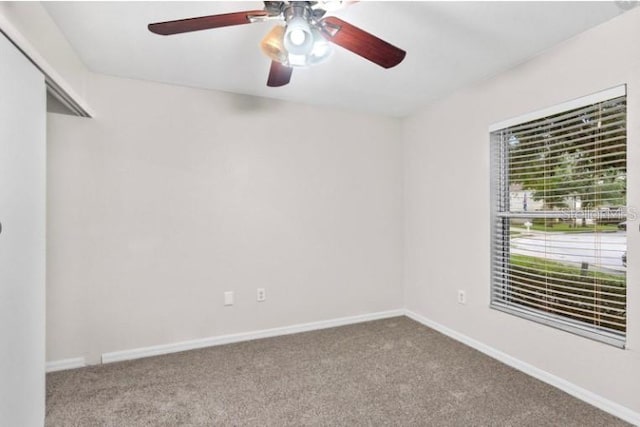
172,195
448,214
22,240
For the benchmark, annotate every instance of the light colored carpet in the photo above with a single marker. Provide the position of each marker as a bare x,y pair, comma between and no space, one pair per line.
392,372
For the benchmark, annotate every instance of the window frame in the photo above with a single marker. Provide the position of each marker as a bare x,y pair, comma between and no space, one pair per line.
500,199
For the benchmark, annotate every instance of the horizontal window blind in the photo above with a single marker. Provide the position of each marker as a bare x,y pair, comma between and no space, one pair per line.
559,219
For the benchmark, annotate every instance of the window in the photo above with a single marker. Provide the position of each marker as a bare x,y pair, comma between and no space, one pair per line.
559,216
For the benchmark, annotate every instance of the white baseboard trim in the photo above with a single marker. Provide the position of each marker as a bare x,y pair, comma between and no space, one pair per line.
64,364
564,385
157,350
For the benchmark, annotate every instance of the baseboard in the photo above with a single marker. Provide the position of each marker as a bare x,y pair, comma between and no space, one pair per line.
566,386
64,364
157,350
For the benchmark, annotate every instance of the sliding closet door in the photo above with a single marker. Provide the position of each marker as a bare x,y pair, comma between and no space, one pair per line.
22,239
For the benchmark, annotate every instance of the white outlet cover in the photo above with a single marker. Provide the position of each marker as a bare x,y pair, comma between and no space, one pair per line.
462,298
228,298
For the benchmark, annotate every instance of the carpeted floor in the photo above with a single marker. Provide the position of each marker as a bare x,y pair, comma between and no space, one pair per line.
392,372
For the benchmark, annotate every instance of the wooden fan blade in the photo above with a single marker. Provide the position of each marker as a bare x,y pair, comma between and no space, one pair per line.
361,43
279,75
204,22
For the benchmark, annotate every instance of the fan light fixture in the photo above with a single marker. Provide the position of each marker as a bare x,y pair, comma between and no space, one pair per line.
299,44
322,49
272,45
297,38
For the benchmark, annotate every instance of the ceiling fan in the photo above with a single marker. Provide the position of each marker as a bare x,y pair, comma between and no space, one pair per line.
301,40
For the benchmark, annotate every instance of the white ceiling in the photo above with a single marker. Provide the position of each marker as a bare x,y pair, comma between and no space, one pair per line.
449,45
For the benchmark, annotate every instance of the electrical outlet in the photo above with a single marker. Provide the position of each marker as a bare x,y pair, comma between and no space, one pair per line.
228,298
462,297
261,295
